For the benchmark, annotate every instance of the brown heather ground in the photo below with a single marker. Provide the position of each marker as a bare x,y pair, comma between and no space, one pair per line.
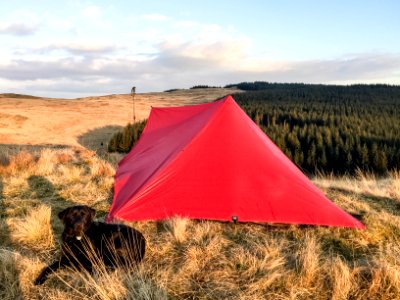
189,259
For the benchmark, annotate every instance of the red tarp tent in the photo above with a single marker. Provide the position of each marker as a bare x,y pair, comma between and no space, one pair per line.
211,161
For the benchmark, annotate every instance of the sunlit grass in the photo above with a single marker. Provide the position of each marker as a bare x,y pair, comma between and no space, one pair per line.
190,259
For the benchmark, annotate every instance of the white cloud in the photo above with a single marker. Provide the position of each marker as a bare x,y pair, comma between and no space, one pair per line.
18,28
80,47
223,52
175,69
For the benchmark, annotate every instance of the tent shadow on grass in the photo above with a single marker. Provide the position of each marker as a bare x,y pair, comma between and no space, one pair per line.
97,139
378,203
46,192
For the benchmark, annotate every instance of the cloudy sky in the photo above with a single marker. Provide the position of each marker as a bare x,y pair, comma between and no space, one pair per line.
78,48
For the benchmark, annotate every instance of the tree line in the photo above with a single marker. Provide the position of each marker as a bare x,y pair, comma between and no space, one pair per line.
124,140
331,129
321,128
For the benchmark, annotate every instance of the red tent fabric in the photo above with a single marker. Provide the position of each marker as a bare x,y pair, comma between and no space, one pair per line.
211,161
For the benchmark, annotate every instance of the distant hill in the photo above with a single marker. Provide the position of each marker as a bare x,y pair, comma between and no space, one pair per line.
22,96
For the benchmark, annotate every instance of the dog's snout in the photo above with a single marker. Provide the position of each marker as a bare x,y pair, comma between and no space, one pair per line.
79,225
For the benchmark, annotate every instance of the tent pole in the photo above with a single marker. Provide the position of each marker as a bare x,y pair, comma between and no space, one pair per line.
133,93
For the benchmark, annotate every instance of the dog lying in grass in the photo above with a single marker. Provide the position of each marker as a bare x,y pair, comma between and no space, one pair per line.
86,243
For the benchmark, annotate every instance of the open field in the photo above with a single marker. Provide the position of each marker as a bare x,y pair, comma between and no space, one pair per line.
85,121
185,259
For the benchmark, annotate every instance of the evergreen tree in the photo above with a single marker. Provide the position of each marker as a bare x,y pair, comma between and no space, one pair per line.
311,158
364,157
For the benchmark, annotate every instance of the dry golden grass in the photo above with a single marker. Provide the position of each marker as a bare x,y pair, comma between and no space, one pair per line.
34,230
188,259
86,121
177,227
9,275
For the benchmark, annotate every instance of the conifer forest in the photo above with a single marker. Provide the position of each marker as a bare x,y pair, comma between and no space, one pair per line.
321,128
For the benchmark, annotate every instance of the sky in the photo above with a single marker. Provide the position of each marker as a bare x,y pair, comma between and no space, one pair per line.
77,48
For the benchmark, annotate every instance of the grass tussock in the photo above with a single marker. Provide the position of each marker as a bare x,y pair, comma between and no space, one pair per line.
17,164
9,276
343,279
34,231
177,228
189,259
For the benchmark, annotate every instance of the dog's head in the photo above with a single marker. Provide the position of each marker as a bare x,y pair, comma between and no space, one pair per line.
77,220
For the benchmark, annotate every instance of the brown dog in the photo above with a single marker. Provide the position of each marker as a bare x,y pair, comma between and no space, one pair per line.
84,242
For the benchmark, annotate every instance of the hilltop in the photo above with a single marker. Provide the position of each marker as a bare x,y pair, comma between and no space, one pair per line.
19,96
29,120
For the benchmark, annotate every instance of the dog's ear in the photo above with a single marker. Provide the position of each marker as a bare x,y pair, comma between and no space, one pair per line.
92,212
62,213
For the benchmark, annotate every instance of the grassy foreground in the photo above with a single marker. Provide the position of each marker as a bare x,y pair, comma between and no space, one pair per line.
189,259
